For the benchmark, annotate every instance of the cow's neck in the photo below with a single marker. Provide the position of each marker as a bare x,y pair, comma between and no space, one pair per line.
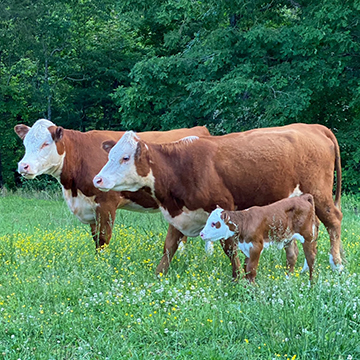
74,163
170,178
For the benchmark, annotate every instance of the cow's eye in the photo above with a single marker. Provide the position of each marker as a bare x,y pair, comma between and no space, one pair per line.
213,224
45,144
126,158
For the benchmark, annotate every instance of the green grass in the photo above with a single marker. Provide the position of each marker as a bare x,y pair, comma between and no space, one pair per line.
59,299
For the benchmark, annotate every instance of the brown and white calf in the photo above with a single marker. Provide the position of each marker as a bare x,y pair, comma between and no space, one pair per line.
189,178
74,158
279,223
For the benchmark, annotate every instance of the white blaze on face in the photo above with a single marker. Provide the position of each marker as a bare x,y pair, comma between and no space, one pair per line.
120,173
216,228
41,156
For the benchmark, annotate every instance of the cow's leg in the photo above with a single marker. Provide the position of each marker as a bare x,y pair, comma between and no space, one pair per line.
230,248
292,252
253,262
102,230
331,217
172,240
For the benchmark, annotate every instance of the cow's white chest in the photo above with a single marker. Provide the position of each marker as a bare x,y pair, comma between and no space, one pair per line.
83,207
190,223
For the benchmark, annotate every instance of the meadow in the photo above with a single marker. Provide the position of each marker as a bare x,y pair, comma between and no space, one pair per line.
59,299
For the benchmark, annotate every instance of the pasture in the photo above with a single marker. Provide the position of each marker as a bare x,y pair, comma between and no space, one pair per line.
59,299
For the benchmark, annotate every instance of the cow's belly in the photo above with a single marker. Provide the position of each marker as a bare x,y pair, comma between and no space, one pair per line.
190,223
83,207
132,206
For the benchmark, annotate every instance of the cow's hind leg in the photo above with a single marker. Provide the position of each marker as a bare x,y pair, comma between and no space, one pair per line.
172,240
331,217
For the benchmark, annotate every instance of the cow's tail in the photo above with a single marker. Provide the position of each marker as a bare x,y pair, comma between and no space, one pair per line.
337,201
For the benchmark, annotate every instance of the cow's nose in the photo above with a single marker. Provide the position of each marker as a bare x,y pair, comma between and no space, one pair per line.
98,181
202,235
24,168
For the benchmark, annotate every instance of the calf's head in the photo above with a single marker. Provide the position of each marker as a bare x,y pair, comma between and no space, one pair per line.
42,155
128,166
218,226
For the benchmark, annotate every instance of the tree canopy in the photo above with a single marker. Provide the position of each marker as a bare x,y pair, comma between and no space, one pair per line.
228,64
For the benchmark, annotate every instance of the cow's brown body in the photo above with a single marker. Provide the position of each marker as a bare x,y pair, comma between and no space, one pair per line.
83,160
279,223
240,170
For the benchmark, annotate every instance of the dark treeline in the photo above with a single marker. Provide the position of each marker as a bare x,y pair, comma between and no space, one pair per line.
150,65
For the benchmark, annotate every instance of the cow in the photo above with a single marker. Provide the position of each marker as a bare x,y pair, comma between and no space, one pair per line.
74,158
279,223
190,177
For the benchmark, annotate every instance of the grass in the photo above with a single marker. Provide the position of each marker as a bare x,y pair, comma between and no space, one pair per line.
59,299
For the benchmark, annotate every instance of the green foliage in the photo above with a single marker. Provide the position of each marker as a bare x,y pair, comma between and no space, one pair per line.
231,65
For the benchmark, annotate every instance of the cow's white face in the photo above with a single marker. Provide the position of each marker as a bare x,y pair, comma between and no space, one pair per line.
120,173
41,156
216,227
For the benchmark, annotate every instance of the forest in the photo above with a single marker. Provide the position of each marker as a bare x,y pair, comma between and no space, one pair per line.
231,65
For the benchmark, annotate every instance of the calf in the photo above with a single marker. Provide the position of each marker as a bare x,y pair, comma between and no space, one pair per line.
257,227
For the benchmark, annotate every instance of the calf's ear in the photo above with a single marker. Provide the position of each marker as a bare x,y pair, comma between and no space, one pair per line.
107,145
21,130
57,132
225,216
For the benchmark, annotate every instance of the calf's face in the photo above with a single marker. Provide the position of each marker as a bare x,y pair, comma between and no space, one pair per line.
120,172
217,226
41,154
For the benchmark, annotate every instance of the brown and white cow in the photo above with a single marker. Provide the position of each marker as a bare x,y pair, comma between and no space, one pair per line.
279,223
236,171
74,158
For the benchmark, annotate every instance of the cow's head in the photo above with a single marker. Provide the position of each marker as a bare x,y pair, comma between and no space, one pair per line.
218,226
128,167
41,153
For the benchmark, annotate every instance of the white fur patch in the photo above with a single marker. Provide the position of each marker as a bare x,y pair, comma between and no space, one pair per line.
305,267
245,247
209,247
299,237
188,222
296,192
188,139
83,207
335,267
41,154
120,173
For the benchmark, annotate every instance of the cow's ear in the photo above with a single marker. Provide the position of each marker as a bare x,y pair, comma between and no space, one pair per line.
21,130
107,145
57,132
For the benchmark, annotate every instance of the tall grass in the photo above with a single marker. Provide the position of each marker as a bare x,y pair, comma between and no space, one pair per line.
59,299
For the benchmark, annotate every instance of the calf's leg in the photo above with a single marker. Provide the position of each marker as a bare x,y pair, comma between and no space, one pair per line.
253,262
230,248
292,252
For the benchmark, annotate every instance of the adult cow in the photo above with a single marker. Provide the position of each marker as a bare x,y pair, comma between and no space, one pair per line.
190,178
74,158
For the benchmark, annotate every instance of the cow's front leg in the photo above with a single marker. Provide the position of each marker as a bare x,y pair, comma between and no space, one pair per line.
172,240
230,248
102,229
